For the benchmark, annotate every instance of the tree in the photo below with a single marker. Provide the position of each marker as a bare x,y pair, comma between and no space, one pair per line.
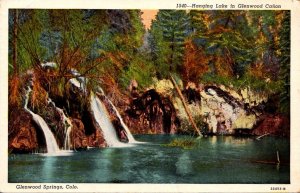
15,36
168,34
228,43
284,72
265,26
195,62
199,21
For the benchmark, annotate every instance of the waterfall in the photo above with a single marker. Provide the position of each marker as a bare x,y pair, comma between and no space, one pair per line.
101,115
129,135
67,142
52,147
79,81
102,118
67,123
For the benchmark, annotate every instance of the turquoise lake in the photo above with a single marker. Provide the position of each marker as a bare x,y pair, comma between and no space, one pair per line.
215,159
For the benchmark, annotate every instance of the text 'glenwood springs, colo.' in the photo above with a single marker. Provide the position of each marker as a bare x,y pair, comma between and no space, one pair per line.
46,187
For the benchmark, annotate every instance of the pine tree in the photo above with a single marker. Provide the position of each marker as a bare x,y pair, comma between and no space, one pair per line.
285,63
199,21
228,43
170,30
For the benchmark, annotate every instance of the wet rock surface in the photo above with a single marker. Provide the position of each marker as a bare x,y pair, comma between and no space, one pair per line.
22,135
87,131
78,138
151,113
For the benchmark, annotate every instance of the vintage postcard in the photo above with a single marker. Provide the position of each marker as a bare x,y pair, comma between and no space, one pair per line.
150,96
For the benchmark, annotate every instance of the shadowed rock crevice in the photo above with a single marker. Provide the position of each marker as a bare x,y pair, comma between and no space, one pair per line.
151,113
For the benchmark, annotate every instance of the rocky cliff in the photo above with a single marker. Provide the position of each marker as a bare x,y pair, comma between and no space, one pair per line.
216,109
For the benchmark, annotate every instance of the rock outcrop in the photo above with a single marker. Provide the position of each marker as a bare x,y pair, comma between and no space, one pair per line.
223,112
222,109
277,125
79,138
22,135
151,113
158,110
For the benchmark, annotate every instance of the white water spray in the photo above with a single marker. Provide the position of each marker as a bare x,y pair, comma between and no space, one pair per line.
67,125
52,147
129,135
101,115
102,118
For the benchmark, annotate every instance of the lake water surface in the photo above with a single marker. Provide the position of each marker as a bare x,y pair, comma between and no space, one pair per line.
222,159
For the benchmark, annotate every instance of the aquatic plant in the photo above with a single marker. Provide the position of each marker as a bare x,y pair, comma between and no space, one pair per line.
187,142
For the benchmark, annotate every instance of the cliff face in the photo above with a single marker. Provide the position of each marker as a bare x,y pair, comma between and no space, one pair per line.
157,110
223,110
22,135
79,138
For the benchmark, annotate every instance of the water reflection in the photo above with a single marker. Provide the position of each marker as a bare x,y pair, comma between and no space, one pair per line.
109,164
48,168
213,140
184,164
117,162
230,140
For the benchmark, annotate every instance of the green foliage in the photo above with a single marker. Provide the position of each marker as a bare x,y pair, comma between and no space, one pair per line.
246,81
138,31
234,48
28,31
285,63
184,142
228,43
140,70
159,49
198,21
168,33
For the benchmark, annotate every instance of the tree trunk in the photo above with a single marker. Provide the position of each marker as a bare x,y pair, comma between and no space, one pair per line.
15,35
185,107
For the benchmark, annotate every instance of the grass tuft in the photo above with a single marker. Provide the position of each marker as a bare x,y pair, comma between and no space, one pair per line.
185,142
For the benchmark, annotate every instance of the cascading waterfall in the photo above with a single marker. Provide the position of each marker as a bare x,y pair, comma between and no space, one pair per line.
68,126
101,115
52,147
129,135
67,142
102,118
